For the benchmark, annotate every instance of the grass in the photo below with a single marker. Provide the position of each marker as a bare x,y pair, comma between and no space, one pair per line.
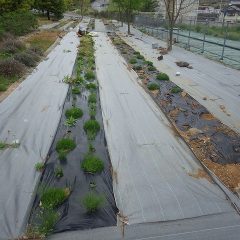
58,172
92,202
39,166
153,86
136,53
75,90
53,197
140,57
90,86
62,156
74,112
70,122
92,98
3,87
89,75
43,39
48,220
5,82
162,77
65,145
133,60
92,164
92,110
91,127
4,145
176,89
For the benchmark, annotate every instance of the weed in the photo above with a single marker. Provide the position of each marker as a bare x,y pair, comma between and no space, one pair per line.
92,164
91,86
92,98
133,61
75,90
79,80
11,67
91,148
53,197
3,145
26,59
92,185
12,46
39,166
58,172
151,68
74,112
65,145
91,127
48,219
162,77
68,80
70,122
89,75
62,156
153,86
176,89
92,202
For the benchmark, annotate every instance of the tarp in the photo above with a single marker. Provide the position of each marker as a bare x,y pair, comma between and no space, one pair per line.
152,166
31,115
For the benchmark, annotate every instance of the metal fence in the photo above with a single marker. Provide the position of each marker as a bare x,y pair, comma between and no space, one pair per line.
221,49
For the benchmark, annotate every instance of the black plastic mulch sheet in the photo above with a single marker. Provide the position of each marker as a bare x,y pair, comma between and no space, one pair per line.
73,214
186,113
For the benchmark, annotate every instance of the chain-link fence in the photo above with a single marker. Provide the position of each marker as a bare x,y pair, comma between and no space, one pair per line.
191,38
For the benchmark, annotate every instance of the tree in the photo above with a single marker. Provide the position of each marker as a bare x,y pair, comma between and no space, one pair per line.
57,7
149,6
173,10
83,5
13,5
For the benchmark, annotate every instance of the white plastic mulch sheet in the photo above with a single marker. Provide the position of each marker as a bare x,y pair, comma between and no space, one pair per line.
151,165
31,115
212,84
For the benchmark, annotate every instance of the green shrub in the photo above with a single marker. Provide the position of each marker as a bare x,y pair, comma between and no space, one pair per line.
11,68
153,86
149,63
75,90
133,61
18,23
70,122
92,202
92,164
163,77
176,89
91,127
3,87
53,197
39,166
136,53
65,145
74,112
89,75
137,68
26,58
92,98
140,57
48,219
151,68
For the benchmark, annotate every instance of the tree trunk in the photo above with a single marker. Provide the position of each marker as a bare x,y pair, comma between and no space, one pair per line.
48,14
170,39
128,21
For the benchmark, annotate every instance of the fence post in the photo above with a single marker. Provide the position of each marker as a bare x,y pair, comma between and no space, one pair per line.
224,43
178,34
189,34
204,36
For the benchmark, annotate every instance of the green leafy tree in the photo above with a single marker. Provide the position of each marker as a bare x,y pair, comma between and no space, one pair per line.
13,5
128,7
148,5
